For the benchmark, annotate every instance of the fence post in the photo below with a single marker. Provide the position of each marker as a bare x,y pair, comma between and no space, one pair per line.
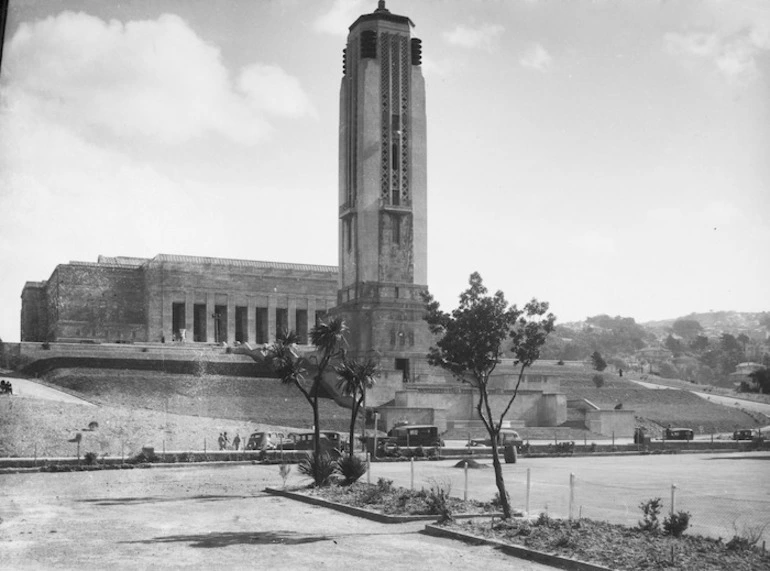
369,469
613,439
673,498
465,492
411,468
528,488
571,494
204,445
164,449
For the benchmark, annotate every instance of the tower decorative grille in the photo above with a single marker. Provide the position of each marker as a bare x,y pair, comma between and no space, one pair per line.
394,93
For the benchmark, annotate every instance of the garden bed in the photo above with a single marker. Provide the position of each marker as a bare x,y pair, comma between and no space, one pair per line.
389,504
609,545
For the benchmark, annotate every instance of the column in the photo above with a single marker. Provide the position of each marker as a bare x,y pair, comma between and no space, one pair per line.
292,318
310,314
230,319
271,304
210,326
251,320
189,314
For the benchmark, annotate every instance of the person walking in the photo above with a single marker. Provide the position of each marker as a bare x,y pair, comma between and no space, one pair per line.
221,441
236,441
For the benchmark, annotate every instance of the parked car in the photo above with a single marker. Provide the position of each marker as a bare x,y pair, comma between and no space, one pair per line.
304,441
678,434
743,434
416,435
264,440
507,437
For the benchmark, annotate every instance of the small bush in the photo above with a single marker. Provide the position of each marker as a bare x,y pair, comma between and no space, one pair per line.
90,458
676,524
598,381
437,500
320,467
543,519
385,485
651,510
747,538
352,468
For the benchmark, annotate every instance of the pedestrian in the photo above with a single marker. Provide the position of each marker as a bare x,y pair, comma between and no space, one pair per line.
226,441
221,441
236,441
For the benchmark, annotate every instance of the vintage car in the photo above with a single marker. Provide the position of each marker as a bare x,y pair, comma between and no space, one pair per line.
678,434
330,442
265,440
416,435
507,437
744,434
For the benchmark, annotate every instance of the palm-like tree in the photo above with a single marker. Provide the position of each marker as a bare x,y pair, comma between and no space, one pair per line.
354,377
328,338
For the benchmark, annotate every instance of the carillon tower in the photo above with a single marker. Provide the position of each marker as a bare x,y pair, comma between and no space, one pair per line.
383,193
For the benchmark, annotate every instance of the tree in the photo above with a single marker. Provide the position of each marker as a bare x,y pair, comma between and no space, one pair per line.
470,344
686,328
355,376
599,363
674,345
762,378
699,344
292,368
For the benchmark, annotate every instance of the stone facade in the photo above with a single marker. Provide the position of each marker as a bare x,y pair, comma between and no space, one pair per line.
175,298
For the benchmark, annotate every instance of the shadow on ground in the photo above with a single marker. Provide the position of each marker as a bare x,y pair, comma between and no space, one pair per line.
227,538
156,500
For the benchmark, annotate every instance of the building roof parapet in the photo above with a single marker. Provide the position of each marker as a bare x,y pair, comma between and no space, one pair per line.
122,260
35,284
202,260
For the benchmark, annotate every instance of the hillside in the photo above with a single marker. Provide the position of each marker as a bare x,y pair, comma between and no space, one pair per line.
661,407
41,427
236,398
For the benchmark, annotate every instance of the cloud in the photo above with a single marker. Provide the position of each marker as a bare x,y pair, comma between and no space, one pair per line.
271,89
484,37
735,56
536,57
152,79
341,15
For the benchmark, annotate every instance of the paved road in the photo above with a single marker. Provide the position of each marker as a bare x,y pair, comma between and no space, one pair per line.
206,518
31,389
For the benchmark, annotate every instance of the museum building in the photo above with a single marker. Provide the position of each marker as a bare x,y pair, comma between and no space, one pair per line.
176,298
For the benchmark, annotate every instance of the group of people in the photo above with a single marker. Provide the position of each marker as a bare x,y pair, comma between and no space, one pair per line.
224,441
6,388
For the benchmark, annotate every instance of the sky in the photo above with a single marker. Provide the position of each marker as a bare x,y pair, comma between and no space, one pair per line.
609,157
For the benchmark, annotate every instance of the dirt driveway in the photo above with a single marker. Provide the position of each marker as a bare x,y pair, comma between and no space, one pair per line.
205,517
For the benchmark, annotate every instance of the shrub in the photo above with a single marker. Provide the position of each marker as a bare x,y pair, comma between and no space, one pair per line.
352,468
676,524
90,458
385,485
543,519
651,510
747,538
437,500
320,467
598,381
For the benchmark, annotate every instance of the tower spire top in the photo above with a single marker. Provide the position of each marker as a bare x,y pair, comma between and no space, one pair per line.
381,7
